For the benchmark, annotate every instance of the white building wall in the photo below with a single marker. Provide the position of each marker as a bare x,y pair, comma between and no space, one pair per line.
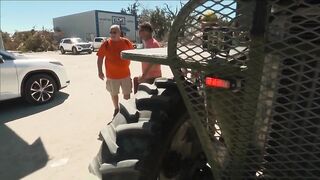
81,25
90,24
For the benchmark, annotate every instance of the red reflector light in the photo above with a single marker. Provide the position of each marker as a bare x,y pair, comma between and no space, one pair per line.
217,83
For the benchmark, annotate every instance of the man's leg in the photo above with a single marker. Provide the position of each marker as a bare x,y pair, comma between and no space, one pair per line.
126,96
126,86
150,80
115,101
113,87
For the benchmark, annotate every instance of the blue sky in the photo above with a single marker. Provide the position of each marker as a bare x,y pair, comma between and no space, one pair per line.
23,15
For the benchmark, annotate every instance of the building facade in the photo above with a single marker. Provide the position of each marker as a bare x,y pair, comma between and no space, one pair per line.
90,24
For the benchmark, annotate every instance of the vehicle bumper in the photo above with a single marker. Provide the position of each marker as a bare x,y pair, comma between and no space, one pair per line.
63,78
80,49
66,84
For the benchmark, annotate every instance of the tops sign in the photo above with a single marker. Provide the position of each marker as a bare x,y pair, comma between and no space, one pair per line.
118,20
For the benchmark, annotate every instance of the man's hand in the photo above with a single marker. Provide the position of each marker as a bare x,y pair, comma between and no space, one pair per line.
101,76
141,79
99,65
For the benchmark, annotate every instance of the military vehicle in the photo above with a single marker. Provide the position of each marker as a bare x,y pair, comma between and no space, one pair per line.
244,102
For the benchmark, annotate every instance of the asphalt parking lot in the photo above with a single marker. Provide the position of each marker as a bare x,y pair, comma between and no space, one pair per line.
58,140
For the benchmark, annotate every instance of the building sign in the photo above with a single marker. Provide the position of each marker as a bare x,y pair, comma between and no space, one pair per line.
104,19
118,20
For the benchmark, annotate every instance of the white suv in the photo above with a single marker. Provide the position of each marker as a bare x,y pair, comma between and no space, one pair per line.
97,42
75,45
35,79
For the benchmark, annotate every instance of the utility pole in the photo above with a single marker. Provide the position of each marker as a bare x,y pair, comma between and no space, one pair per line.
1,42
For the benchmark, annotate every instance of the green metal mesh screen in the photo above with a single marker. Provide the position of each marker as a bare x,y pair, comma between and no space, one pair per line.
269,125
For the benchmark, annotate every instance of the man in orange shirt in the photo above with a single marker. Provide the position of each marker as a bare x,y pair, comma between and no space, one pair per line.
117,69
149,71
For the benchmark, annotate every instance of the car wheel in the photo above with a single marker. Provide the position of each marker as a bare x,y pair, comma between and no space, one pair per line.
62,50
89,52
74,51
40,89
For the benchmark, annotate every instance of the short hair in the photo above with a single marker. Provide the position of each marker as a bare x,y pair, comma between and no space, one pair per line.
115,27
146,26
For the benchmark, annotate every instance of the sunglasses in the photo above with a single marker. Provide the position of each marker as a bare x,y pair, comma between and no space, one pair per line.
143,30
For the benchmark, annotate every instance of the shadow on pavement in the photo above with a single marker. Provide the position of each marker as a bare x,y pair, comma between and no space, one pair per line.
17,157
18,108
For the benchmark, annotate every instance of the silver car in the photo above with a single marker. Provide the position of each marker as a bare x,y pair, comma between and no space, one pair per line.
35,79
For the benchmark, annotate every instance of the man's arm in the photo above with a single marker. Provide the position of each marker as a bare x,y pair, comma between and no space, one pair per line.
142,78
99,64
101,55
146,71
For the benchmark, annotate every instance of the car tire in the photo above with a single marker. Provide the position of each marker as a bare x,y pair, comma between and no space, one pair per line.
39,89
90,52
74,51
62,50
159,107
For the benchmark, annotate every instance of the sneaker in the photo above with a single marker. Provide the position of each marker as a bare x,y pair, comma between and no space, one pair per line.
115,112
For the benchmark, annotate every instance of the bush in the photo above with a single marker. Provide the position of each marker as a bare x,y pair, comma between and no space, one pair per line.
33,43
32,40
7,41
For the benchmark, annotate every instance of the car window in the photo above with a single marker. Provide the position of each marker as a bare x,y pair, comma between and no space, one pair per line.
98,40
6,55
77,40
67,41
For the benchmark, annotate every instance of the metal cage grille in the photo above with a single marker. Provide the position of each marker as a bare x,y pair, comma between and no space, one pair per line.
266,123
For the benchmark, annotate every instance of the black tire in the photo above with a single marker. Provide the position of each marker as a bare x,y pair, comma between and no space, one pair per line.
168,116
62,50
40,89
89,52
74,51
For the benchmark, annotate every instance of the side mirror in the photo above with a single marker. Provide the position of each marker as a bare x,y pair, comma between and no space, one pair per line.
1,59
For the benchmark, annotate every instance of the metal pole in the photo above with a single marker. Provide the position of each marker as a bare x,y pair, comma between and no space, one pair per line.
1,42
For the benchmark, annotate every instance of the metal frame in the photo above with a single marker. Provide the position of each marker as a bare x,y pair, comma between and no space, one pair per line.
257,40
256,139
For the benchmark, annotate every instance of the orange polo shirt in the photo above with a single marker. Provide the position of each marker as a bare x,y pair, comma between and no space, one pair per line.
116,67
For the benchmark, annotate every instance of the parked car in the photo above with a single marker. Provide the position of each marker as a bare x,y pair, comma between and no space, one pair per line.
75,45
35,79
97,42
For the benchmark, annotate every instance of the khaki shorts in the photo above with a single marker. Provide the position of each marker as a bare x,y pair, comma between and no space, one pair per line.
113,86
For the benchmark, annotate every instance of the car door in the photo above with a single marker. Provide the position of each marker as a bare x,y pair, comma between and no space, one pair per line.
97,42
68,44
9,84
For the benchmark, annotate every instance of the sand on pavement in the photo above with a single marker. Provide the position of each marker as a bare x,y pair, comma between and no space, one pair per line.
57,141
